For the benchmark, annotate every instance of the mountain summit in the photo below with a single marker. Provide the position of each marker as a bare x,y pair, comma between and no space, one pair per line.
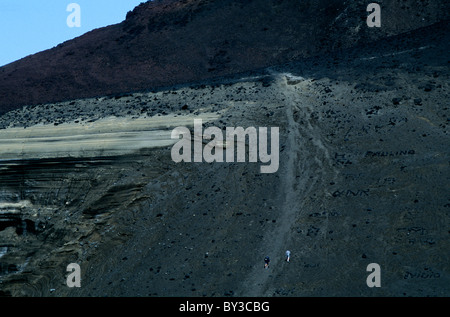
167,42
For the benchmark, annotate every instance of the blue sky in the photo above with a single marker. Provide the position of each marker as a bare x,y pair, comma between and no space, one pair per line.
31,26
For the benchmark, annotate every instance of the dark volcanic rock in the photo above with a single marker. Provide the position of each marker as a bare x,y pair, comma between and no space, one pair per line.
169,42
361,180
363,175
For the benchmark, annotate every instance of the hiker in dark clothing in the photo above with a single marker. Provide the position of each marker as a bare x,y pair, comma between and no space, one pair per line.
266,262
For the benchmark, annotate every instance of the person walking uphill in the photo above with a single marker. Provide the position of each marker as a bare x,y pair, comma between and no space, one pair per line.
266,262
288,255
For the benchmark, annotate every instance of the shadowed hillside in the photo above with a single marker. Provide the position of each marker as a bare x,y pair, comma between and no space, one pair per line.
363,154
169,42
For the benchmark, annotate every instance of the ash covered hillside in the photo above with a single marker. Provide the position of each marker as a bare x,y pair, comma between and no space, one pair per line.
362,178
162,43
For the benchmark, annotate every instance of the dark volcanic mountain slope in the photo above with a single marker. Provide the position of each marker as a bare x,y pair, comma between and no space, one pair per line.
363,178
168,42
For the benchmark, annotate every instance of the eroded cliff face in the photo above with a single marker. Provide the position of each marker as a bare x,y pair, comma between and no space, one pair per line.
164,43
77,186
362,179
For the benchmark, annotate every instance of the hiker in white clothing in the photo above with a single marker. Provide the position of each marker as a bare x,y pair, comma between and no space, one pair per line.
288,255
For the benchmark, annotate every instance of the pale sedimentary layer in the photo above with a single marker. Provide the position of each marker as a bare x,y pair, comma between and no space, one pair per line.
105,137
